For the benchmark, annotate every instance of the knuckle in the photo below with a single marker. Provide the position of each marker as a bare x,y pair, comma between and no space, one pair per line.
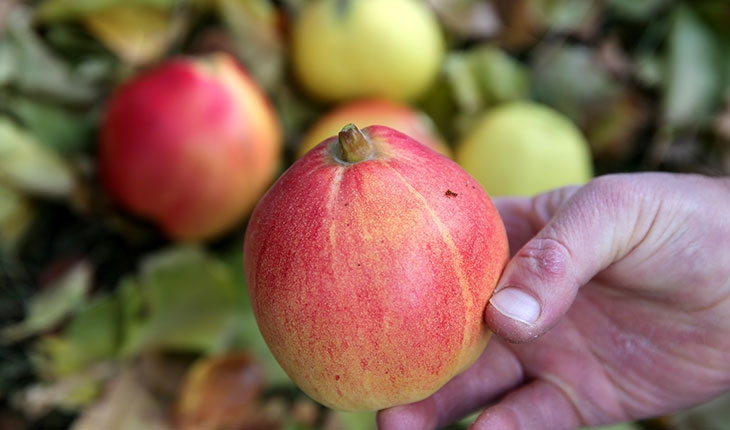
546,258
618,193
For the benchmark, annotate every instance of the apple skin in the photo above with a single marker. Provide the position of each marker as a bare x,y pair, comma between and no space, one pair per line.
191,145
369,279
523,148
401,117
350,49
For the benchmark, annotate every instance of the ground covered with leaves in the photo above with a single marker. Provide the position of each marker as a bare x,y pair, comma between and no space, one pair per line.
103,321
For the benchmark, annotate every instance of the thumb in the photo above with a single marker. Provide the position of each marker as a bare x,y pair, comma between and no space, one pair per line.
581,235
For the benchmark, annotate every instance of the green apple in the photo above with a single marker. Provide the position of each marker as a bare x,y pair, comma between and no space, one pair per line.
524,148
347,49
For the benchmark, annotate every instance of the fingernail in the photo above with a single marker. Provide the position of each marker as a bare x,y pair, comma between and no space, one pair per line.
516,304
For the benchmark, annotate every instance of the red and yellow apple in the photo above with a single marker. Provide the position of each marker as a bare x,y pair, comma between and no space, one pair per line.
191,145
398,116
369,263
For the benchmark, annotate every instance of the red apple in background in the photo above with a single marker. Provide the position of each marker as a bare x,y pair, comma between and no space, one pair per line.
369,264
191,144
401,117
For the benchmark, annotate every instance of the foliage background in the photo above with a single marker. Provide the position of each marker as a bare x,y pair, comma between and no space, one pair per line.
104,323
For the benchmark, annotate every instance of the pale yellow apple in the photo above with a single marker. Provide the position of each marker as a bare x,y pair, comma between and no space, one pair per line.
347,49
524,148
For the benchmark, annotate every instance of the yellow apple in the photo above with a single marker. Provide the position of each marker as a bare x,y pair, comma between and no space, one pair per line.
524,148
346,49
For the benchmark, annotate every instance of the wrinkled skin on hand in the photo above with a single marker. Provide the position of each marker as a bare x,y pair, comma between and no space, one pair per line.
632,275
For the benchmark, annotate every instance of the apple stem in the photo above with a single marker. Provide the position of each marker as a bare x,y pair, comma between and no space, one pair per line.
354,145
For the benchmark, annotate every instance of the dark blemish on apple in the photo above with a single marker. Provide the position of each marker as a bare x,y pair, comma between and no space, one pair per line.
450,193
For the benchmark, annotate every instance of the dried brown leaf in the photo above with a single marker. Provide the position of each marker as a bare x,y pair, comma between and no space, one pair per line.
138,34
468,19
126,405
220,392
612,135
526,22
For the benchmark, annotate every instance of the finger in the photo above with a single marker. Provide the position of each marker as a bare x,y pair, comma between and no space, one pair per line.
516,216
523,217
585,231
539,405
415,416
496,372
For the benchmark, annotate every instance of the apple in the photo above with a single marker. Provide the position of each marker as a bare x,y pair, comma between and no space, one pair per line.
524,148
191,145
399,116
349,49
369,263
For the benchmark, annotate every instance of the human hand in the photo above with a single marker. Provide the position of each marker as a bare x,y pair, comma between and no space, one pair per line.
620,300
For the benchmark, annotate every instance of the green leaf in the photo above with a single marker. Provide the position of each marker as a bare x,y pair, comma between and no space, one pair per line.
694,72
355,420
636,10
16,215
715,14
32,68
500,77
31,167
713,414
92,335
52,305
69,393
565,15
7,67
183,299
472,80
571,79
649,69
59,129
